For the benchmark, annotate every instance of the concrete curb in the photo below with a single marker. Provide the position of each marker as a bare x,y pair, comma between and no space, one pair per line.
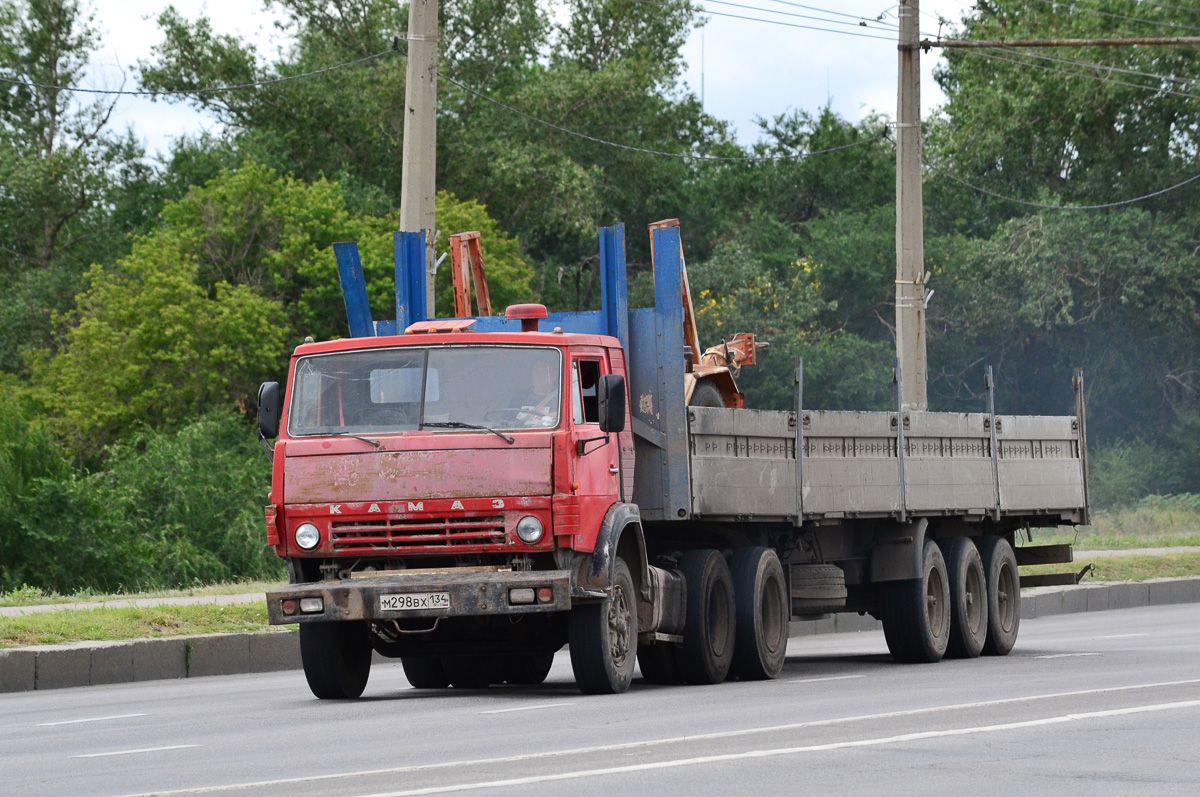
97,663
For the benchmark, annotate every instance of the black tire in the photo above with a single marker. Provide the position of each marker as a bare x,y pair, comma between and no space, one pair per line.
916,612
528,669
425,672
658,664
706,394
968,598
709,633
760,594
818,588
470,672
336,659
602,638
1003,595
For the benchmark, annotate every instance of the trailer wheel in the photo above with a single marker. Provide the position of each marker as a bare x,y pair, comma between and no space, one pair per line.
658,664
968,598
760,594
1003,595
425,672
336,658
527,670
916,612
708,635
469,672
602,638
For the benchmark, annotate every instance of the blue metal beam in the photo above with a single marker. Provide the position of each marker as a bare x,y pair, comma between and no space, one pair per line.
614,290
354,290
410,279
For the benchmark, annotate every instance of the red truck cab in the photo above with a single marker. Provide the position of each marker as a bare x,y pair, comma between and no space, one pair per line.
442,485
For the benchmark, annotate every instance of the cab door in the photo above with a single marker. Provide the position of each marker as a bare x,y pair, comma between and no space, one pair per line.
596,478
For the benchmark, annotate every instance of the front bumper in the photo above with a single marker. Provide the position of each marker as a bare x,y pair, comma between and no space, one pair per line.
471,594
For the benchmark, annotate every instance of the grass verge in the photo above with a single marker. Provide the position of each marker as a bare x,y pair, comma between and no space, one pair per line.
1159,521
33,596
95,625
1126,568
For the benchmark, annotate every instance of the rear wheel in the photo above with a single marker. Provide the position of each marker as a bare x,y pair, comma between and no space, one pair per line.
527,670
968,598
708,636
425,672
336,659
1003,595
916,612
762,612
469,672
658,664
603,638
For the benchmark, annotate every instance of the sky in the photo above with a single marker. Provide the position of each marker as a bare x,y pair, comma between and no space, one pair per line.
746,68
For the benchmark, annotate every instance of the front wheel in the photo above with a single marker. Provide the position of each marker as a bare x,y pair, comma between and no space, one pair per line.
916,612
528,669
336,658
602,638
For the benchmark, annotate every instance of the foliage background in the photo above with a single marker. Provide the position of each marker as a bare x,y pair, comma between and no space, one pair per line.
143,300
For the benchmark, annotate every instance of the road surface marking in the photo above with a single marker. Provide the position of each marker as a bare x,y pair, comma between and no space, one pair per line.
1065,655
819,680
781,751
662,741
89,719
1121,636
140,750
526,708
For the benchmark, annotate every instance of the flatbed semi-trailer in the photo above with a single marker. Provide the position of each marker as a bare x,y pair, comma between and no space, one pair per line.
440,499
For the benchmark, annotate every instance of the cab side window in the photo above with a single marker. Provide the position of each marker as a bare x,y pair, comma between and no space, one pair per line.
585,375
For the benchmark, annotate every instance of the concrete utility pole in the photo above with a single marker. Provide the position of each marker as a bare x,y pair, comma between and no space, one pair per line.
910,210
417,189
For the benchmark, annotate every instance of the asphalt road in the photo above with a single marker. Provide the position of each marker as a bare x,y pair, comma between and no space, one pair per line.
1102,703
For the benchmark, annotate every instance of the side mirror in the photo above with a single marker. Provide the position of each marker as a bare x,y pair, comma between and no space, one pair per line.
610,395
269,410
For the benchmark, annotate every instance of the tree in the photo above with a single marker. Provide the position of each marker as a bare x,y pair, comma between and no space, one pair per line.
69,188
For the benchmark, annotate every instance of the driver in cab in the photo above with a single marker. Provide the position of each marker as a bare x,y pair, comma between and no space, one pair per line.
540,409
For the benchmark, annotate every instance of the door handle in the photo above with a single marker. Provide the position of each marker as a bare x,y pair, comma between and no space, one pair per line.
614,471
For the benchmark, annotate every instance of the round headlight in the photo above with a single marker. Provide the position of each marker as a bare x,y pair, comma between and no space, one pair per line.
308,536
529,529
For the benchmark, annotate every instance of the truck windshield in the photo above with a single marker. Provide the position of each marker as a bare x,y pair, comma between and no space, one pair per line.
396,390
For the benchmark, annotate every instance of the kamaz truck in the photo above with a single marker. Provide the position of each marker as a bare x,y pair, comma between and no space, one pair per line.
472,494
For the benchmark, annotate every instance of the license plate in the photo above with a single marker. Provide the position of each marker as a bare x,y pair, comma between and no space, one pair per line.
414,600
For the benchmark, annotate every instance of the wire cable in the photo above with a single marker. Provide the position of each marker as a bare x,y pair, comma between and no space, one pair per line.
1094,65
1075,73
164,93
1045,206
631,148
1098,12
794,25
861,22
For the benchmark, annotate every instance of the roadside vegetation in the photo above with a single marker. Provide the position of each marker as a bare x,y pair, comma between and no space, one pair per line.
143,296
96,625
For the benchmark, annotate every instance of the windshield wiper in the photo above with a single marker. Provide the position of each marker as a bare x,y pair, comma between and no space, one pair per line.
375,443
461,425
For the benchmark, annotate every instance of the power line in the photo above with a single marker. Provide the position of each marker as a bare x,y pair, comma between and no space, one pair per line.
1106,67
861,21
1113,81
822,10
795,25
394,51
1044,206
1098,12
630,148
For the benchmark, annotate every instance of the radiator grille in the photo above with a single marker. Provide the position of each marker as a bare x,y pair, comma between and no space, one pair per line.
423,534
